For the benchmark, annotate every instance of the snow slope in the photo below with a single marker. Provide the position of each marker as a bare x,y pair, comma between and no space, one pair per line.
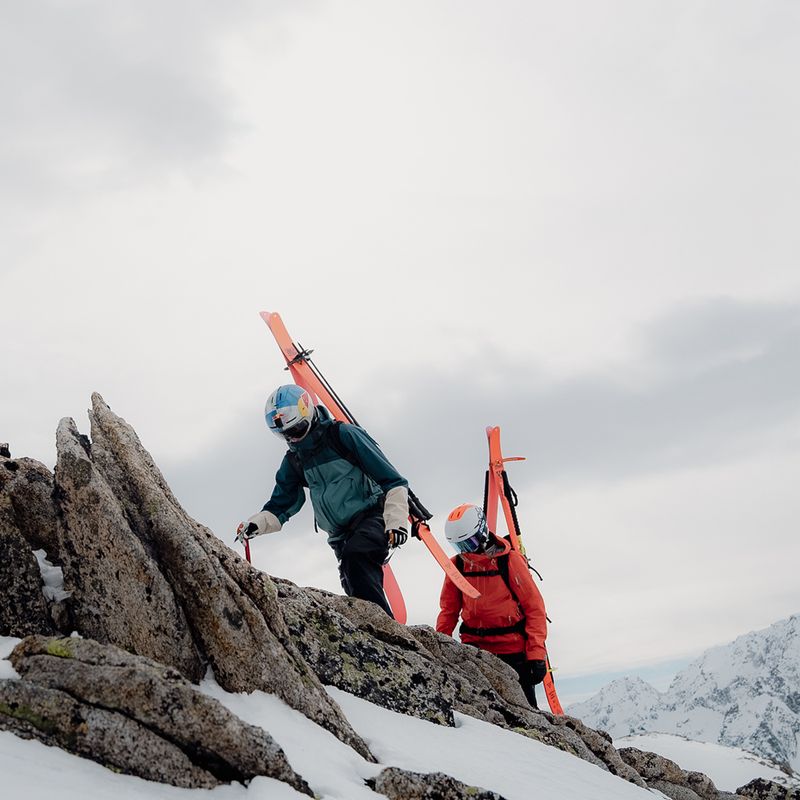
475,752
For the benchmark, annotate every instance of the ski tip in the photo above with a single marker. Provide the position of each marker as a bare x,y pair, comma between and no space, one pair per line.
266,315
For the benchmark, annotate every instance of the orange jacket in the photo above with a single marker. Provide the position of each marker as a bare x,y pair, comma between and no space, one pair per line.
496,607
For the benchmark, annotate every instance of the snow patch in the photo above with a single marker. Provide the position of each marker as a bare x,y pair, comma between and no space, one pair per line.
52,577
7,644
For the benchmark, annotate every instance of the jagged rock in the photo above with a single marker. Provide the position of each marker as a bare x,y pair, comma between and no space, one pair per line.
26,502
134,715
353,645
119,594
4,451
232,609
762,789
399,784
23,609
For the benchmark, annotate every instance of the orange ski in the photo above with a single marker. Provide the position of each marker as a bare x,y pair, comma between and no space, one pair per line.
498,490
497,484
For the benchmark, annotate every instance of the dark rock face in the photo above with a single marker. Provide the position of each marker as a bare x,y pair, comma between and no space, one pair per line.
762,789
133,715
26,502
398,784
23,609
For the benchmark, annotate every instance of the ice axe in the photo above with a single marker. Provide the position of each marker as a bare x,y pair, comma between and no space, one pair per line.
243,535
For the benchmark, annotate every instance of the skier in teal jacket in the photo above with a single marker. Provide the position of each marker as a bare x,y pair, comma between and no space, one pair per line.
359,498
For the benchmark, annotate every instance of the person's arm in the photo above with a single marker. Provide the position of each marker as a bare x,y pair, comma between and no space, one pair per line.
530,599
288,495
373,462
450,605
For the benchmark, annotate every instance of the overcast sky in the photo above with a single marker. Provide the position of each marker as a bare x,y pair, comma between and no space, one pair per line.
575,220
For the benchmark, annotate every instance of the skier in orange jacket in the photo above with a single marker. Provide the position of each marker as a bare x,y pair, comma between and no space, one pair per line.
509,618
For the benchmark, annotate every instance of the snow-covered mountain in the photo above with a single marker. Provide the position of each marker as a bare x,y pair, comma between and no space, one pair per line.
745,694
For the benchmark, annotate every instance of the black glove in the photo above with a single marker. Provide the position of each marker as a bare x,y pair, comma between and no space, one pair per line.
397,537
537,670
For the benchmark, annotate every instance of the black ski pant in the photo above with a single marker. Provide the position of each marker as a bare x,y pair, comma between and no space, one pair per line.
361,555
520,665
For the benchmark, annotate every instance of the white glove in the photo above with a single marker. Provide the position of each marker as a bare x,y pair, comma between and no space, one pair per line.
395,509
264,521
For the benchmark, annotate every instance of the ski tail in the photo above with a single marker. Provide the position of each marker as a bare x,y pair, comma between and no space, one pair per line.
394,595
550,691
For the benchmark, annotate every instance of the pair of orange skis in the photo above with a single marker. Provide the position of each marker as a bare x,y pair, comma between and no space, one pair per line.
306,375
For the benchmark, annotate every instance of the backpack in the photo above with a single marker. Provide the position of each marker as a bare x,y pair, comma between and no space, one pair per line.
502,571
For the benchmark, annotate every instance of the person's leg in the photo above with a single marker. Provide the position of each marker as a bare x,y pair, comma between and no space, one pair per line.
519,663
361,560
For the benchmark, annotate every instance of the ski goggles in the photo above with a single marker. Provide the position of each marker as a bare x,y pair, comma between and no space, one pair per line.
470,545
296,432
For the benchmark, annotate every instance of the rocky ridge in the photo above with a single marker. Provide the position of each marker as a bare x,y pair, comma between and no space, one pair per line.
158,599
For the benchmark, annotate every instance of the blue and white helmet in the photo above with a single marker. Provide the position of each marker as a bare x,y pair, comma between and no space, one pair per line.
289,412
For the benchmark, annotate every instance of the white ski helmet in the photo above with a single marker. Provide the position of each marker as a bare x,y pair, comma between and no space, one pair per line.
289,412
466,528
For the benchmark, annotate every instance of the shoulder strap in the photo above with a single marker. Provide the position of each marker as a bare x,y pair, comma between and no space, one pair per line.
333,437
502,568
502,571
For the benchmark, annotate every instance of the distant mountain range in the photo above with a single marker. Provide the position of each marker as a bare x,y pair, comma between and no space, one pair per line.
744,694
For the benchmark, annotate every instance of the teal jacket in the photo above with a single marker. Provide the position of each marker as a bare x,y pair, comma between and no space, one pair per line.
339,489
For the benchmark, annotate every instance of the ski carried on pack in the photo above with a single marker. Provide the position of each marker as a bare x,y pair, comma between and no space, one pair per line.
305,374
498,491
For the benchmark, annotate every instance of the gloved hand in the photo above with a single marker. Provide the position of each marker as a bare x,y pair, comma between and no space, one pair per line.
263,522
537,670
397,537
